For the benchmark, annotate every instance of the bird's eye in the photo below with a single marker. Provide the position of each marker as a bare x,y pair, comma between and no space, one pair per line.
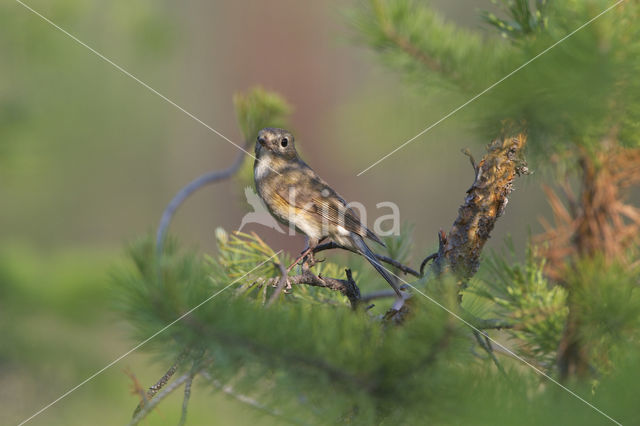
284,142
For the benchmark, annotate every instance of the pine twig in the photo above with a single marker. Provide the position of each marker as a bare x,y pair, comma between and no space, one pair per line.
154,389
347,287
185,400
485,344
403,43
147,408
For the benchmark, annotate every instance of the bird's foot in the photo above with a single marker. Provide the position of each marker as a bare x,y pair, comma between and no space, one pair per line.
311,260
287,285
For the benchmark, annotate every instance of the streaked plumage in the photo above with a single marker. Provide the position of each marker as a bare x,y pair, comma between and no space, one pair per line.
296,195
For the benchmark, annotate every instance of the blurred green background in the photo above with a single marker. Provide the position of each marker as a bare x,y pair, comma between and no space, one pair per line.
89,158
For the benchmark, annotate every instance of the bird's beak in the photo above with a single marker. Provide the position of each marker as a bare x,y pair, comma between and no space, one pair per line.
262,141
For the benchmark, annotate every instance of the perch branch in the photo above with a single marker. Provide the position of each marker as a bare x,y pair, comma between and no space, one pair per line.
189,189
347,287
385,259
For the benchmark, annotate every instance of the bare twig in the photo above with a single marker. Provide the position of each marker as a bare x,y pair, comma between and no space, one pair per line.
189,189
159,397
153,390
405,269
137,388
425,261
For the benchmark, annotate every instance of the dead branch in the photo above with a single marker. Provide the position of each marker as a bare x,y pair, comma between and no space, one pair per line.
486,200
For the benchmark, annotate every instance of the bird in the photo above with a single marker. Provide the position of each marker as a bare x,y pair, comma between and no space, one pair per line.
297,197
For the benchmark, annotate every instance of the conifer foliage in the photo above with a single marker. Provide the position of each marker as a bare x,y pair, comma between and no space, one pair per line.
551,339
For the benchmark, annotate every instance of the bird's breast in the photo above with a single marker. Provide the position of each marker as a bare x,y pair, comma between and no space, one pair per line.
262,168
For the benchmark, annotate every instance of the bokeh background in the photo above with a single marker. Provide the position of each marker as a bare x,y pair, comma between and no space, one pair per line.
89,158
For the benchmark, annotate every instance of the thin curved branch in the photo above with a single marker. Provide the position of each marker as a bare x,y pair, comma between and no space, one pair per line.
385,259
425,261
189,189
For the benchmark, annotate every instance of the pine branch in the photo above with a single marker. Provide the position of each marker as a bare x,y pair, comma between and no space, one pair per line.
185,400
347,287
159,397
403,43
153,390
486,200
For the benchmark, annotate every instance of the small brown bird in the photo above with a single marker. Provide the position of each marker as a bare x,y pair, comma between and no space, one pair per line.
296,195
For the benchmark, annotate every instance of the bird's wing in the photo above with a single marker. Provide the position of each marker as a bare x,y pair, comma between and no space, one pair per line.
306,191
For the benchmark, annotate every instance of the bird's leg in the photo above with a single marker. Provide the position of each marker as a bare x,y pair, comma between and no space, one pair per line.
300,258
311,246
307,254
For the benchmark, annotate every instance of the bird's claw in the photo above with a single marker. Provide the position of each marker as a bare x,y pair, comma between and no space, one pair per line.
287,287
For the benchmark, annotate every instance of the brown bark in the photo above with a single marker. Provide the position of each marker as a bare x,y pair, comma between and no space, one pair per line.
486,200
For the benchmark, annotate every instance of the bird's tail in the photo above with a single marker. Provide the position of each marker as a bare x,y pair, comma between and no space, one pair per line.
371,257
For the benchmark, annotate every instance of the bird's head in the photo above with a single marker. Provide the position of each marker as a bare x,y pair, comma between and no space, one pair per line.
276,142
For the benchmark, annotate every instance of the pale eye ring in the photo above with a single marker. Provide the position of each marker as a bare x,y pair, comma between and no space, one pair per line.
284,142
